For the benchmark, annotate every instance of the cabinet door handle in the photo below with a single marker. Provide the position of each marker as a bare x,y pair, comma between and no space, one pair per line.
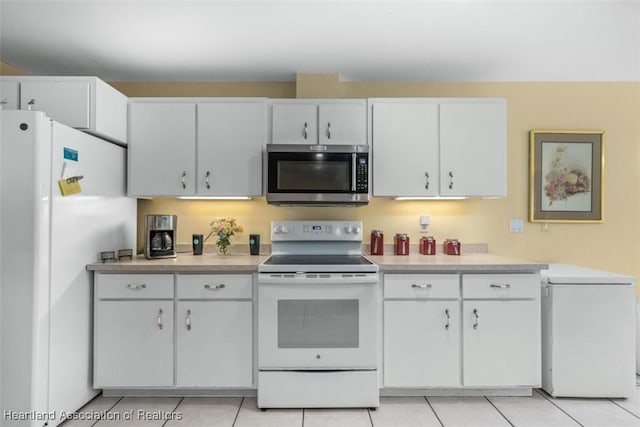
206,179
159,319
417,286
215,287
136,287
446,313
187,320
30,104
426,174
329,130
450,180
184,184
503,286
306,130
3,102
477,320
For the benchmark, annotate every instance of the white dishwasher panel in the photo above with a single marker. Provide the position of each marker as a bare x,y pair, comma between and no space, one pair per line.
588,338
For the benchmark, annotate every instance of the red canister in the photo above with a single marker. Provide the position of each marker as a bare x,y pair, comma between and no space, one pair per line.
401,244
452,247
427,245
377,242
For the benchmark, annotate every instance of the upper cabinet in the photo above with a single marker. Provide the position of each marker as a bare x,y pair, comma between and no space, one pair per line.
162,149
438,147
231,139
204,147
84,103
310,121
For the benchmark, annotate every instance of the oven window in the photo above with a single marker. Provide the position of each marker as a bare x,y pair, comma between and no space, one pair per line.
314,175
318,323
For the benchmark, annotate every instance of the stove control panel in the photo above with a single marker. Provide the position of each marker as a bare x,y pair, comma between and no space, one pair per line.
316,230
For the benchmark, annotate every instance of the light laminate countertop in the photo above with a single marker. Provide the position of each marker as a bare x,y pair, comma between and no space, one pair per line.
212,263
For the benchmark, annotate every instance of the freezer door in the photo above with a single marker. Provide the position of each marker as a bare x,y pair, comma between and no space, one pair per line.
589,340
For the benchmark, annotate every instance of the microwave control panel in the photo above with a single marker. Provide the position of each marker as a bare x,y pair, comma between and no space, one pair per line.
362,175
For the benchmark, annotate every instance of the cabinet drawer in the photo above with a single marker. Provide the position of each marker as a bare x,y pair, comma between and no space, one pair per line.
214,286
134,286
499,286
421,286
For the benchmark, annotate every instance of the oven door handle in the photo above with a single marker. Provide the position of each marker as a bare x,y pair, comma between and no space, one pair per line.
313,279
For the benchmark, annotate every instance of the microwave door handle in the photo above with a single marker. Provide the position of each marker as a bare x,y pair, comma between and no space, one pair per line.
353,172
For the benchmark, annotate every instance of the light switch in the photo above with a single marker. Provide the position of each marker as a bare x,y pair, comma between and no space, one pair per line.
516,225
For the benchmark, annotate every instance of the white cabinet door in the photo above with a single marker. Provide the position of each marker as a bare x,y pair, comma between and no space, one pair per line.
294,123
133,344
214,344
162,147
501,342
230,145
405,149
65,102
473,150
342,123
421,343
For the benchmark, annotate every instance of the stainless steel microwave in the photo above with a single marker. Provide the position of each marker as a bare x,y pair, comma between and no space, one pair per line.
317,174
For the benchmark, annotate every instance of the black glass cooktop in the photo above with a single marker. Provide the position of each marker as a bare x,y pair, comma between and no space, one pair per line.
317,260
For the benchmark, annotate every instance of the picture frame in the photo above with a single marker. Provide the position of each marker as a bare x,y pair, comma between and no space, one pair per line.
566,175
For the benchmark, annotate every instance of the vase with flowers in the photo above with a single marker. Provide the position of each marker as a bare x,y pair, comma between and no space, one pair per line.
224,228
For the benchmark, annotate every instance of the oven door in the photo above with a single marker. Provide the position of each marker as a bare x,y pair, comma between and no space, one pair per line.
308,174
317,321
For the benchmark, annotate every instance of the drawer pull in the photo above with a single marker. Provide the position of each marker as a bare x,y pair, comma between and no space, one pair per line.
136,287
477,321
505,286
215,287
159,319
416,286
187,320
446,313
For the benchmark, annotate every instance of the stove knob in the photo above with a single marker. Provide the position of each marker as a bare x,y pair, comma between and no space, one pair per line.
279,229
355,229
347,230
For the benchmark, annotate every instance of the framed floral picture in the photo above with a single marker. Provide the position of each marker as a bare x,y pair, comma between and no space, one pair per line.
565,176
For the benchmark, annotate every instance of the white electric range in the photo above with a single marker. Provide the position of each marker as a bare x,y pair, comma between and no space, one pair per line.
318,318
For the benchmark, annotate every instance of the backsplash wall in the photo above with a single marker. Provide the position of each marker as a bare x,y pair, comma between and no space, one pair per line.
613,107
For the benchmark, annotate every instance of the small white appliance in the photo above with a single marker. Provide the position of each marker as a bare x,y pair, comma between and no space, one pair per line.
47,241
588,332
318,318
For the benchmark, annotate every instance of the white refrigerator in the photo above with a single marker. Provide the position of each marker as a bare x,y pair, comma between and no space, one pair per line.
46,241
588,332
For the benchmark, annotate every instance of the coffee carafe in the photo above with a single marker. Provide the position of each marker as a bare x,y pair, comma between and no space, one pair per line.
160,236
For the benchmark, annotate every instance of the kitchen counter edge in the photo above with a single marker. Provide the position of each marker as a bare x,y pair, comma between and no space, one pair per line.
387,263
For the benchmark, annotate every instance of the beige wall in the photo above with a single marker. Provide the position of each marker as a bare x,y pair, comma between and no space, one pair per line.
613,107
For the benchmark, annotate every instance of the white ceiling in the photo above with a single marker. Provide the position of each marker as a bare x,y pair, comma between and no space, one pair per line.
271,40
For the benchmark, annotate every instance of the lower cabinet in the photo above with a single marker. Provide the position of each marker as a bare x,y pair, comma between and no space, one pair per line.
134,345
166,331
461,330
421,344
214,331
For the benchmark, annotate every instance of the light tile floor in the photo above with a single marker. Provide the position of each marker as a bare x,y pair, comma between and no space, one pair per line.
539,410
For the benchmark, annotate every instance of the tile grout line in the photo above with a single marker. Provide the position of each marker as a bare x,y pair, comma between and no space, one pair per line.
108,410
499,411
173,411
369,413
562,410
433,410
622,407
235,420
